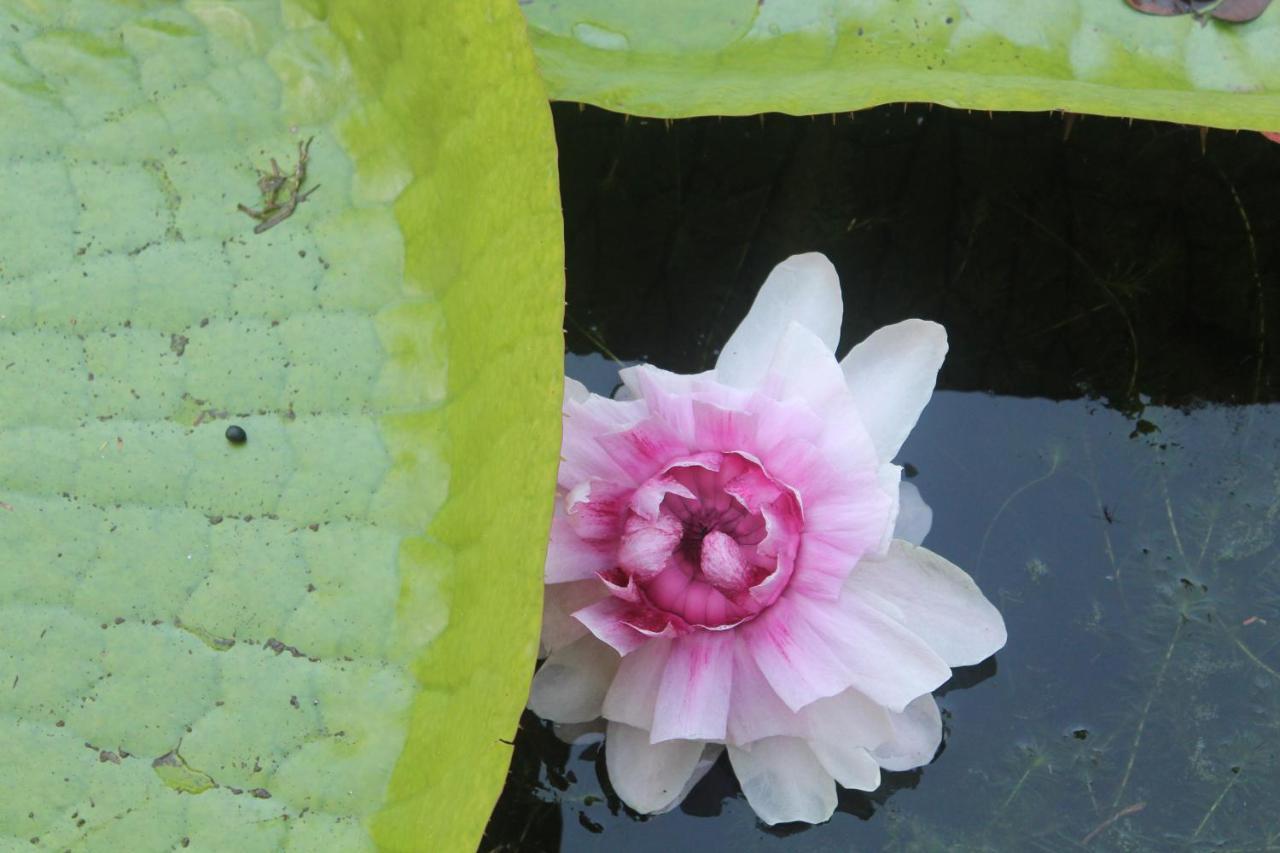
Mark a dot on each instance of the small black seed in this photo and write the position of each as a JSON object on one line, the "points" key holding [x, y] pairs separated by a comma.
{"points": [[237, 435]]}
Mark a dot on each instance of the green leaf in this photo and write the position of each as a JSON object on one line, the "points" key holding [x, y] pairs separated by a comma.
{"points": [[674, 58], [316, 640]]}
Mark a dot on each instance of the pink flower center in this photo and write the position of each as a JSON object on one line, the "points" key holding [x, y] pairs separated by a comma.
{"points": [[709, 542]]}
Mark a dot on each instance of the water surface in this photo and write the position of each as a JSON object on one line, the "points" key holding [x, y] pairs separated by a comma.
{"points": [[1101, 455]]}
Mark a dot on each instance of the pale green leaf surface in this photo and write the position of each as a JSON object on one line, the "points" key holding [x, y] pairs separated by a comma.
{"points": [[674, 58], [316, 640]]}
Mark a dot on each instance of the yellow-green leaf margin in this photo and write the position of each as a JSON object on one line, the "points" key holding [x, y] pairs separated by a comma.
{"points": [[672, 58]]}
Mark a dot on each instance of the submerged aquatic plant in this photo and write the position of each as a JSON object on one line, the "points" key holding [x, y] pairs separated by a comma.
{"points": [[723, 570]]}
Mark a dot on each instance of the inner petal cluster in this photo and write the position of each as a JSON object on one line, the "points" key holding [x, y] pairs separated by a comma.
{"points": [[707, 543]]}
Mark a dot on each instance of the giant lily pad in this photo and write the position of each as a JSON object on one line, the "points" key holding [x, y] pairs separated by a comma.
{"points": [[729, 57], [319, 638]]}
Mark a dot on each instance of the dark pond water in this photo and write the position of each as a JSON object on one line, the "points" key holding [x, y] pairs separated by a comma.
{"points": [[1103, 455]]}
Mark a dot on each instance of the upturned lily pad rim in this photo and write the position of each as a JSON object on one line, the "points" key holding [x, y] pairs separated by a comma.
{"points": [[1095, 57], [628, 90]]}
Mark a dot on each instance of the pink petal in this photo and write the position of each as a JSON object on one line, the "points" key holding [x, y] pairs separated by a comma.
{"points": [[626, 625], [800, 465], [936, 600], [817, 473], [836, 536], [668, 396], [721, 428], [693, 699], [621, 585], [606, 619], [595, 509], [571, 558], [796, 660], [647, 545], [755, 710], [884, 660], [581, 457], [648, 497], [803, 368], [645, 380], [753, 489], [643, 450], [782, 422], [857, 514], [634, 691], [722, 562], [773, 585]]}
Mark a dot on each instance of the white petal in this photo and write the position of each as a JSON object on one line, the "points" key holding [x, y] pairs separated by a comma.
{"points": [[841, 731], [580, 734], [936, 601], [803, 289], [648, 776], [755, 709], [571, 684], [575, 390], [852, 766], [559, 601], [803, 368], [915, 517], [784, 781], [891, 376], [884, 659], [917, 732], [710, 755], [890, 478], [634, 692]]}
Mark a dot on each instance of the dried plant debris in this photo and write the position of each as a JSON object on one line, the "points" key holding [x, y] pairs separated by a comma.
{"points": [[1235, 11], [281, 192]]}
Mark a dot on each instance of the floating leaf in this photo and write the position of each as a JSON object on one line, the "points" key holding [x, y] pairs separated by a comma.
{"points": [[732, 57], [314, 635]]}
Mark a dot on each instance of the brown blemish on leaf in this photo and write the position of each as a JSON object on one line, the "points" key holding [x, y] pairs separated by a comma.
{"points": [[218, 644], [278, 647], [272, 184]]}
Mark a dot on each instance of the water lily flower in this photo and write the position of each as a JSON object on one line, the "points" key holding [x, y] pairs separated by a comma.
{"points": [[723, 571]]}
